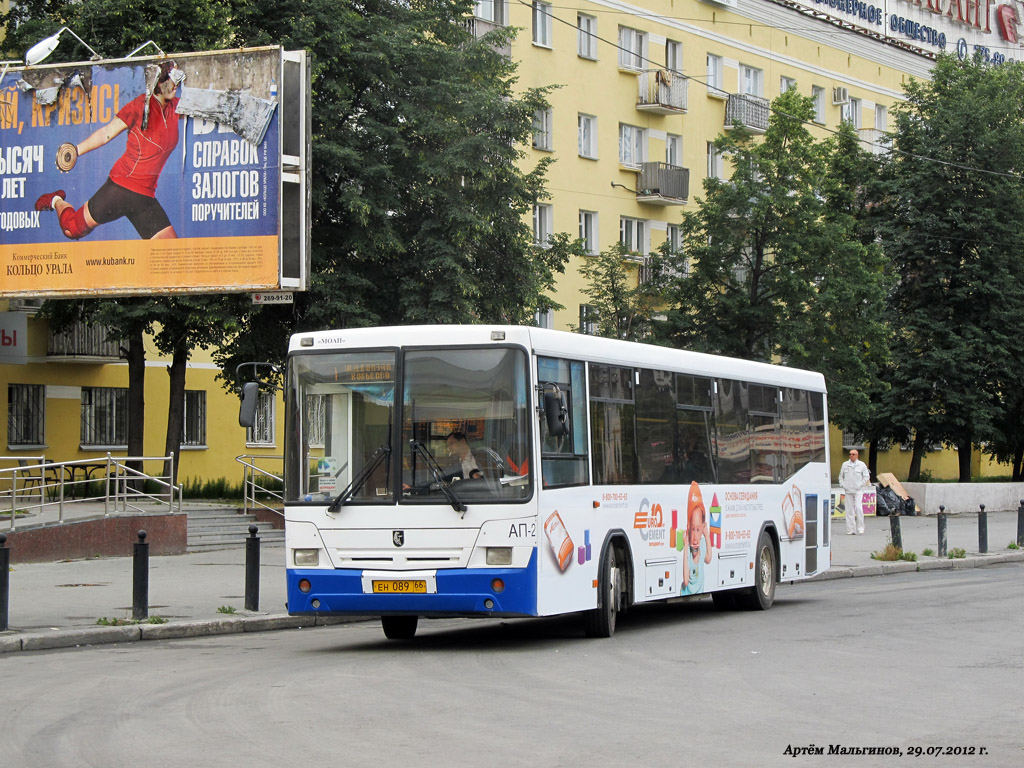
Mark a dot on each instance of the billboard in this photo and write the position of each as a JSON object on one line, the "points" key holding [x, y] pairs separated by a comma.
{"points": [[183, 173]]}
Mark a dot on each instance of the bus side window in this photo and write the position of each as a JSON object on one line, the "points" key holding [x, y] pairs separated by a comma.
{"points": [[695, 429], [564, 458], [612, 418]]}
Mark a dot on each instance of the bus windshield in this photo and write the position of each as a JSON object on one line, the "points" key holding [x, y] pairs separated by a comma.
{"points": [[464, 427], [342, 412]]}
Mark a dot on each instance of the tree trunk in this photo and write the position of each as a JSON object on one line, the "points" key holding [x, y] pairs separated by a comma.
{"points": [[872, 459], [914, 475], [136, 355], [964, 447], [175, 411], [1018, 459]]}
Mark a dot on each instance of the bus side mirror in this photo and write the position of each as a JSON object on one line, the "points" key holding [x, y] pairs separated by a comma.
{"points": [[555, 411], [247, 409]]}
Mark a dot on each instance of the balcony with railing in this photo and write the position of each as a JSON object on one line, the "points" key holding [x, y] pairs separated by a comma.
{"points": [[875, 141], [85, 342], [749, 111], [662, 92], [479, 27], [663, 184]]}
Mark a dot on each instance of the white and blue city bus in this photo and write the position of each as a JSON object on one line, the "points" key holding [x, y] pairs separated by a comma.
{"points": [[472, 471]]}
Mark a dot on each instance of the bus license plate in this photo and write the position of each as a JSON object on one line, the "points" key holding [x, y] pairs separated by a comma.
{"points": [[400, 587]]}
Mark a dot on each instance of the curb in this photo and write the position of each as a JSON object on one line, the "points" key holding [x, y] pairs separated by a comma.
{"points": [[11, 641], [931, 564]]}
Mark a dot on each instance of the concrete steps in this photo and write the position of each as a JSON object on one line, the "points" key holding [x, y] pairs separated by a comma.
{"points": [[224, 529]]}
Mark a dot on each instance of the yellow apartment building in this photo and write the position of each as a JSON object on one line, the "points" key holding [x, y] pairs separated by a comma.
{"points": [[643, 88]]}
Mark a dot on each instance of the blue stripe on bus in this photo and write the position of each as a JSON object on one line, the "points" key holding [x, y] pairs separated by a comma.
{"points": [[460, 591]]}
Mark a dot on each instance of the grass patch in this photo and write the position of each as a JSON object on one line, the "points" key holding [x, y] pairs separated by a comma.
{"points": [[892, 552], [928, 552], [1013, 545], [226, 609], [957, 553]]}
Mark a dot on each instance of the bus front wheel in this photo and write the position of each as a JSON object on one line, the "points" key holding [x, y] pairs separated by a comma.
{"points": [[600, 622], [399, 627], [762, 595]]}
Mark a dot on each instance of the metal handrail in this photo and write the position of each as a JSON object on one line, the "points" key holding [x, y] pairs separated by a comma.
{"points": [[252, 484], [53, 483]]}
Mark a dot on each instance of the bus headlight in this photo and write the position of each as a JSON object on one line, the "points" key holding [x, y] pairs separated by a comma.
{"points": [[307, 557], [499, 555]]}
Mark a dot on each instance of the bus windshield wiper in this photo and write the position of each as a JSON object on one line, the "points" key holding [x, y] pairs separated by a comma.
{"points": [[357, 482], [438, 475]]}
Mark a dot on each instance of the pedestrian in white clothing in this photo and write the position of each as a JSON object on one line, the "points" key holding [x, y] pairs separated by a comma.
{"points": [[854, 478]]}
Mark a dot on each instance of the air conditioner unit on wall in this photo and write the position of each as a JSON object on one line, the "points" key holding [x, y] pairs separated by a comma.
{"points": [[840, 95]]}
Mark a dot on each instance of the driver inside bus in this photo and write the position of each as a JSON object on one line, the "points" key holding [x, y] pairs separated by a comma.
{"points": [[458, 448]]}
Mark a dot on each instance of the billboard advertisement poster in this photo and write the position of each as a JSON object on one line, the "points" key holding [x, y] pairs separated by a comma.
{"points": [[140, 176]]}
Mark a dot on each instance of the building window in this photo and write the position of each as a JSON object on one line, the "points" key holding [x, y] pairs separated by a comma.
{"points": [[632, 145], [262, 431], [541, 23], [542, 224], [674, 150], [881, 117], [588, 320], [316, 420], [716, 78], [674, 243], [632, 47], [542, 129], [26, 406], [587, 139], [193, 430], [495, 11], [104, 416], [588, 231], [673, 55], [586, 36], [851, 113], [714, 162], [751, 81], [786, 84], [633, 235], [818, 97], [544, 318]]}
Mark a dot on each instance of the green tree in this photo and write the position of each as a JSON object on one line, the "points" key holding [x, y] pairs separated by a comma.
{"points": [[419, 200], [781, 266], [625, 290], [952, 227]]}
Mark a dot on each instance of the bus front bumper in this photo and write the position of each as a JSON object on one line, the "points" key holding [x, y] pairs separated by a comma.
{"points": [[456, 592]]}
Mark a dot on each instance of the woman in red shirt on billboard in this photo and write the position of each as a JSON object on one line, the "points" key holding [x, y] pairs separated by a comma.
{"points": [[130, 190]]}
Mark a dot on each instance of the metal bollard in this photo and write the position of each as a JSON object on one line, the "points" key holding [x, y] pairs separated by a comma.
{"points": [[140, 579], [252, 570], [982, 531], [5, 581], [895, 532], [943, 549], [1020, 524]]}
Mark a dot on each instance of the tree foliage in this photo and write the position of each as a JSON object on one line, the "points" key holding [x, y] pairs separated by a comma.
{"points": [[419, 201], [953, 207], [625, 291], [777, 263]]}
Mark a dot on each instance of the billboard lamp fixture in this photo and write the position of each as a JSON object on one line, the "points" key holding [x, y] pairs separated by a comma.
{"points": [[148, 42], [38, 52]]}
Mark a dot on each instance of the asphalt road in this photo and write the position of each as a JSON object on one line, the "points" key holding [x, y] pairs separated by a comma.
{"points": [[921, 660]]}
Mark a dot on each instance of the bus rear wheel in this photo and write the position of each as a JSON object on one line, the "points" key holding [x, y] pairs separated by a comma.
{"points": [[762, 594], [600, 622], [399, 627]]}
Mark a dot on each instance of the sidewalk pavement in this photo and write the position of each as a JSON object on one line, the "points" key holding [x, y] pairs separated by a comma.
{"points": [[58, 605]]}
